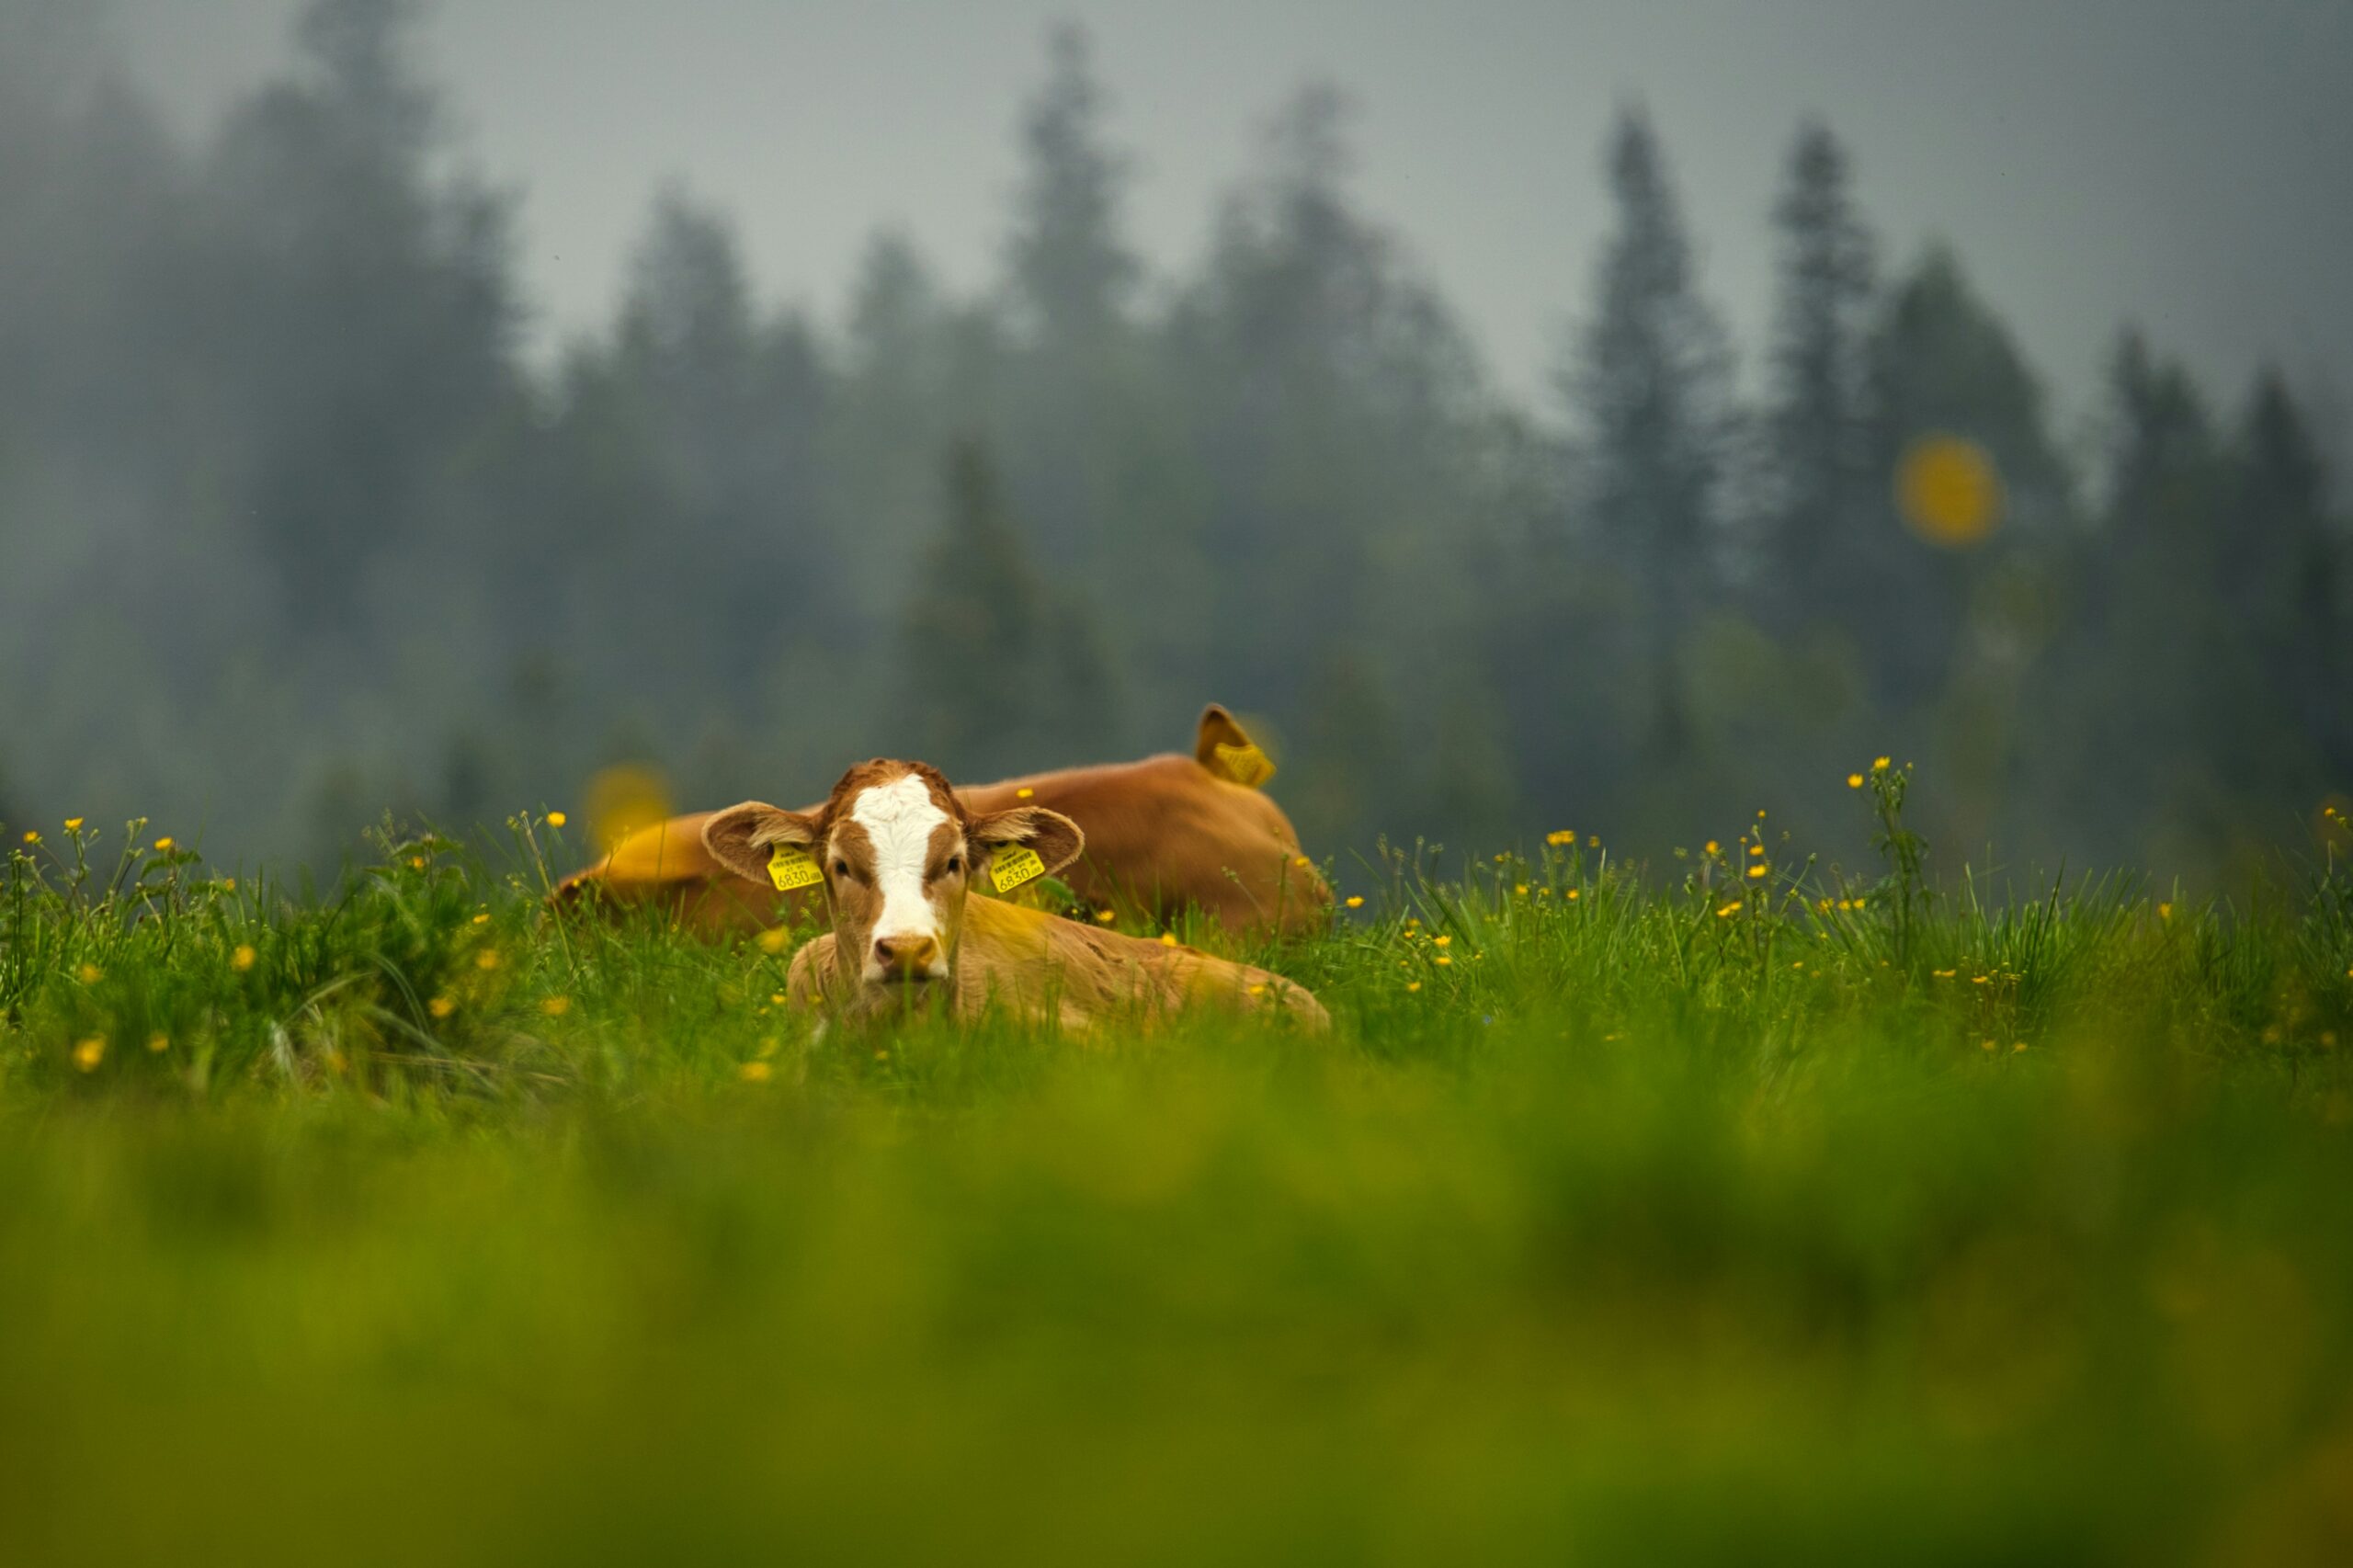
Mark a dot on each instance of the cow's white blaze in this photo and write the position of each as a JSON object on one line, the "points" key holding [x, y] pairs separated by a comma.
{"points": [[899, 818]]}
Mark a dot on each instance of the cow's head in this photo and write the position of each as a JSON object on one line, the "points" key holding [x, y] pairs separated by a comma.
{"points": [[898, 852]]}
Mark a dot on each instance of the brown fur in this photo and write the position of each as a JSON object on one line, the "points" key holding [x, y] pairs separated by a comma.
{"points": [[995, 953], [1162, 834]]}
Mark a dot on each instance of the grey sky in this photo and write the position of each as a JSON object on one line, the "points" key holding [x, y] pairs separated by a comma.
{"points": [[2181, 161]]}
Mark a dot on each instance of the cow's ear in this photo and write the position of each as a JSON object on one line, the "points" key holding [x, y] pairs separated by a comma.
{"points": [[1225, 748], [742, 837], [1054, 837]]}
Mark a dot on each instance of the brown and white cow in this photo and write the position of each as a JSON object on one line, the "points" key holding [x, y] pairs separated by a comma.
{"points": [[1162, 834], [900, 852]]}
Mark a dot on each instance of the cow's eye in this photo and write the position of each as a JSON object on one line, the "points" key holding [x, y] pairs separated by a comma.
{"points": [[841, 868], [955, 865]]}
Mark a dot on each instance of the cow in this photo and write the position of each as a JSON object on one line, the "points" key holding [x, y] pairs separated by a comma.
{"points": [[897, 853], [1160, 833]]}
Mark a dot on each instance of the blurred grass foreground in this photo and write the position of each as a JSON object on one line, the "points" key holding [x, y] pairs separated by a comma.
{"points": [[1743, 1211]]}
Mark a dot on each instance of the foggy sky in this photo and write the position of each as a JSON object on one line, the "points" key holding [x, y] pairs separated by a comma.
{"points": [[2180, 162]]}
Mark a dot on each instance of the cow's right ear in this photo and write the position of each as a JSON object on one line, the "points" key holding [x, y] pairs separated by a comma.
{"points": [[1225, 748], [742, 837]]}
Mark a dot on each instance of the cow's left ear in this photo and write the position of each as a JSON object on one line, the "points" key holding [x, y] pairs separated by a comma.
{"points": [[1054, 837], [743, 838]]}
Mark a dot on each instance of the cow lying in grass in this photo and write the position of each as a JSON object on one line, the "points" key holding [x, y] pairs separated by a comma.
{"points": [[1162, 834], [897, 852]]}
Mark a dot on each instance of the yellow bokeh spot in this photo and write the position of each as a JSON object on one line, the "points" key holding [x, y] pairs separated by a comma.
{"points": [[621, 800], [1948, 492]]}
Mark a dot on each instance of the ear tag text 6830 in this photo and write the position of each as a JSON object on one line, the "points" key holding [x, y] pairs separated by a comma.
{"points": [[789, 866], [1008, 869]]}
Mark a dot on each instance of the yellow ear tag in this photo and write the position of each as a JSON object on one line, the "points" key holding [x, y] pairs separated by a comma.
{"points": [[1008, 869], [1245, 765], [790, 868]]}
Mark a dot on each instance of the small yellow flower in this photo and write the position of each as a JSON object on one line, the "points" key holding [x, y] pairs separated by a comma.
{"points": [[2165, 911], [89, 974], [1989, 1045], [1303, 862], [416, 862], [166, 844], [556, 1006], [2017, 1045], [1521, 888], [773, 941], [1025, 792], [1168, 938], [483, 918], [1441, 942], [1257, 990], [557, 819], [159, 1043], [1571, 894], [1729, 910], [440, 1006], [73, 824], [31, 837], [1854, 781], [776, 998], [1355, 900], [88, 1053], [1758, 871], [1945, 973], [1879, 765], [242, 959], [1105, 917], [1412, 986], [487, 958], [1978, 980], [1593, 841], [1712, 846], [760, 1071]]}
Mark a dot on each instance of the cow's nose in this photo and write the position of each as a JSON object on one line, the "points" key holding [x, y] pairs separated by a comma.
{"points": [[907, 955]]}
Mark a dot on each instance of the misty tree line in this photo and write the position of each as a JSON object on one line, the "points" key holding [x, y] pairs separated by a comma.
{"points": [[290, 531]]}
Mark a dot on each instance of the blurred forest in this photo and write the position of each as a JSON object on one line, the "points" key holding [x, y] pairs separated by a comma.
{"points": [[291, 530]]}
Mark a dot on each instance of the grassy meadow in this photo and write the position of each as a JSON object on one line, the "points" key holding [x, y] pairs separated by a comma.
{"points": [[1732, 1208]]}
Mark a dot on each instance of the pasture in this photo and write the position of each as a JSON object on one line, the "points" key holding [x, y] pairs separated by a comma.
{"points": [[1734, 1207]]}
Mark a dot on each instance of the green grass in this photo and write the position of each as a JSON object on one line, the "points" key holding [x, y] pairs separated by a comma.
{"points": [[1860, 1223]]}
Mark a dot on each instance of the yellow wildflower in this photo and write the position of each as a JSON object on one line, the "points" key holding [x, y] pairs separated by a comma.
{"points": [[1854, 781], [1989, 1045], [1257, 990], [773, 941], [440, 1006], [1303, 862], [557, 819], [1441, 942], [89, 1052], [165, 845], [1105, 917], [2165, 911], [73, 824], [242, 959], [416, 862], [1024, 793], [1168, 938], [1444, 960], [1355, 900], [1712, 846], [1728, 910], [1412, 986], [1879, 765], [89, 974], [556, 1006], [483, 918], [760, 1071], [1758, 871], [31, 837], [159, 1043], [1571, 894], [1757, 849], [487, 958], [1521, 888]]}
